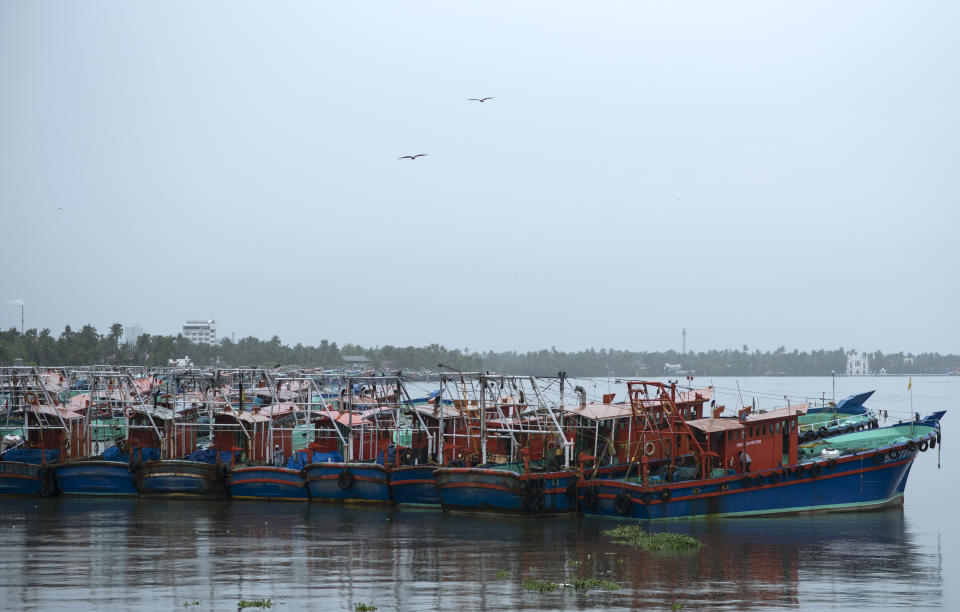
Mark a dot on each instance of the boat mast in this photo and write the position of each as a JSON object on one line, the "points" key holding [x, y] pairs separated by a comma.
{"points": [[483, 419]]}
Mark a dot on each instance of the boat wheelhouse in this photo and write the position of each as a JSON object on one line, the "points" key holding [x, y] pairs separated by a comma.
{"points": [[753, 464]]}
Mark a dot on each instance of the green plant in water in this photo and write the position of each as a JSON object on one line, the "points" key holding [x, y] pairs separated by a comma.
{"points": [[542, 586], [255, 603], [676, 606], [187, 604], [364, 607], [502, 574], [573, 562], [633, 535], [625, 534], [583, 583], [660, 542]]}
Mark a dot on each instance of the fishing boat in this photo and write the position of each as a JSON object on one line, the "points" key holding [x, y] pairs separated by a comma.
{"points": [[754, 464], [520, 444], [115, 420], [201, 437], [51, 433], [371, 409], [422, 449], [300, 426], [538, 475]]}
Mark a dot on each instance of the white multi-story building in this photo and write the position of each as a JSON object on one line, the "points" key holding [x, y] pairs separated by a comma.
{"points": [[131, 333], [858, 365], [201, 332]]}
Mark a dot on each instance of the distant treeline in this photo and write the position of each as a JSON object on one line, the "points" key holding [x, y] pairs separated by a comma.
{"points": [[87, 346]]}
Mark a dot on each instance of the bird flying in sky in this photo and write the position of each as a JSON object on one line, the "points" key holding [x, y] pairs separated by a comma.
{"points": [[412, 156], [480, 99]]}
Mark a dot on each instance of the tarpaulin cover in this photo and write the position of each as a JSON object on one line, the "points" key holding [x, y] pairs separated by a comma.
{"points": [[149, 454], [390, 455], [113, 454], [301, 458], [143, 454], [209, 455], [31, 455]]}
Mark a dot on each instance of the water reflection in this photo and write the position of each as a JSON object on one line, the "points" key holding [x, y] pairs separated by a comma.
{"points": [[144, 554]]}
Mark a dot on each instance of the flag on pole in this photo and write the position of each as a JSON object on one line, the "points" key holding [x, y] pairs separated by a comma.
{"points": [[909, 383]]}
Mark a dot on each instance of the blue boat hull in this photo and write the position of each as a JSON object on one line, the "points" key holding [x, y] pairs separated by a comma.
{"points": [[348, 481], [268, 483], [179, 479], [414, 485], [24, 479], [486, 490], [109, 478], [856, 482]]}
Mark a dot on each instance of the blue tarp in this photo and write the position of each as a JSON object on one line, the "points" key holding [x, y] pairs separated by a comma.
{"points": [[149, 454], [113, 454], [31, 455], [143, 454], [209, 455], [301, 458], [391, 455]]}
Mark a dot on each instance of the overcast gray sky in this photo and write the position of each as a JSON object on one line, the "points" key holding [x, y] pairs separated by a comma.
{"points": [[761, 173]]}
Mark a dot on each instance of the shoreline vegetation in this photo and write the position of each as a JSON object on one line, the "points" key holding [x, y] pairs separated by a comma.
{"points": [[88, 346]]}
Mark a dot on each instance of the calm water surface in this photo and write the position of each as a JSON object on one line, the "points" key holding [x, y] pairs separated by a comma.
{"points": [[148, 554]]}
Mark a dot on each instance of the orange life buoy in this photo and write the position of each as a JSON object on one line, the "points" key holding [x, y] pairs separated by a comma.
{"points": [[105, 410], [129, 412], [648, 448], [30, 397]]}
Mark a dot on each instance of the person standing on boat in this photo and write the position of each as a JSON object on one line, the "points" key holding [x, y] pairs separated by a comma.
{"points": [[745, 461], [278, 460]]}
